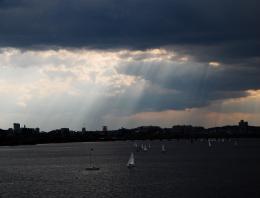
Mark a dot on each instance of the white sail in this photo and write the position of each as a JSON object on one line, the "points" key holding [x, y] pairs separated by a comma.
{"points": [[145, 148], [209, 143], [131, 161]]}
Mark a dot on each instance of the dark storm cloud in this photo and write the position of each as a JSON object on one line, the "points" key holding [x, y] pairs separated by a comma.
{"points": [[222, 30], [130, 23], [5, 4]]}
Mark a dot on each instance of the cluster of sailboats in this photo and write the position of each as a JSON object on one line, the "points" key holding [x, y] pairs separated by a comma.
{"points": [[210, 141], [144, 148], [131, 161]]}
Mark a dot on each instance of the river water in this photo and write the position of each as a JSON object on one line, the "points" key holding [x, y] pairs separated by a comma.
{"points": [[186, 170]]}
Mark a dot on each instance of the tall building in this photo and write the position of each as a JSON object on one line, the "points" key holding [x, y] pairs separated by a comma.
{"points": [[104, 128], [17, 127], [243, 126], [84, 130], [242, 123]]}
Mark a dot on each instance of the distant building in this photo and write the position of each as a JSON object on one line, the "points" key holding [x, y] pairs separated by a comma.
{"points": [[17, 127], [243, 126], [104, 128], [24, 130], [84, 130], [242, 123]]}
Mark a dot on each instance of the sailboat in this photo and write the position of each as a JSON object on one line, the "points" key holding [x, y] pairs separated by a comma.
{"points": [[145, 148], [91, 165], [163, 148], [131, 161], [209, 143]]}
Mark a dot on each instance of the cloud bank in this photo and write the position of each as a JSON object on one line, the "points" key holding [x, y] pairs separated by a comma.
{"points": [[227, 28]]}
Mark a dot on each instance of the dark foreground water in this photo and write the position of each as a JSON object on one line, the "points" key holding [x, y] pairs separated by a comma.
{"points": [[186, 170]]}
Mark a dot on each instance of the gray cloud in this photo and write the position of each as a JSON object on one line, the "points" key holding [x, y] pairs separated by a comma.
{"points": [[221, 31], [130, 23]]}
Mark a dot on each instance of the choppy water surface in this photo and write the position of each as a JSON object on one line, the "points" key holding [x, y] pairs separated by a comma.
{"points": [[186, 170]]}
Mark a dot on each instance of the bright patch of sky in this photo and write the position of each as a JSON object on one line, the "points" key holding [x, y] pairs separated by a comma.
{"points": [[75, 88]]}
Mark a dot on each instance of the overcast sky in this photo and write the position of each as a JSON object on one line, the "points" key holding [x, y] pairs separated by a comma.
{"points": [[126, 63]]}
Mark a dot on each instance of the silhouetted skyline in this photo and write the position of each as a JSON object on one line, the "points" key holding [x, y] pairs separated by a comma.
{"points": [[19, 135]]}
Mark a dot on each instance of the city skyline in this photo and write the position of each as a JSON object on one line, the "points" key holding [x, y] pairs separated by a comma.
{"points": [[19, 135], [19, 126]]}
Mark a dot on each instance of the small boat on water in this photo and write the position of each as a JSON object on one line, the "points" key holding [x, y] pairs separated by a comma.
{"points": [[131, 161], [91, 164], [145, 148], [209, 143], [163, 149]]}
